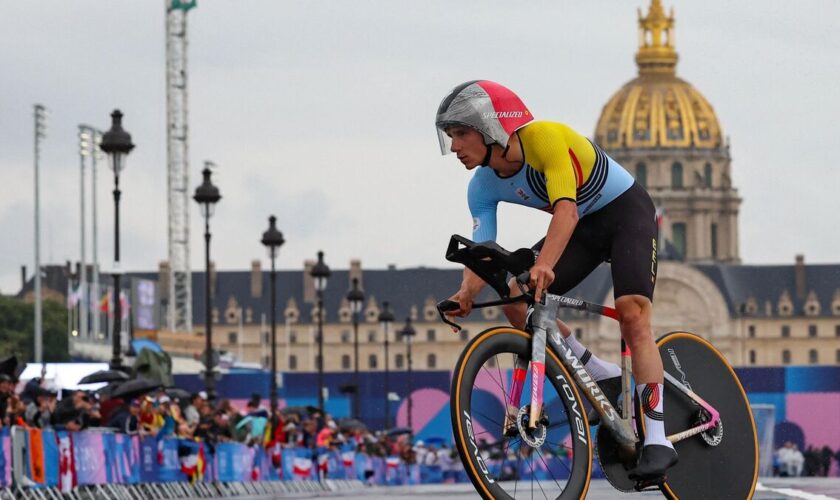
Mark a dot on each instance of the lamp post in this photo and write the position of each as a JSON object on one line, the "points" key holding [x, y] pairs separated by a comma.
{"points": [[207, 195], [408, 332], [40, 133], [356, 298], [273, 240], [116, 143], [320, 272], [386, 317]]}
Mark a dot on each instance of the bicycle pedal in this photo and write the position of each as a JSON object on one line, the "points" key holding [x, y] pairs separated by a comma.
{"points": [[654, 484]]}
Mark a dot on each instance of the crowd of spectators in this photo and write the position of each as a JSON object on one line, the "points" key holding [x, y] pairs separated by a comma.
{"points": [[163, 414], [790, 461]]}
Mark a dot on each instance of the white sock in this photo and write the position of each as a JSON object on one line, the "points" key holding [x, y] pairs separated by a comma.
{"points": [[597, 367], [652, 400]]}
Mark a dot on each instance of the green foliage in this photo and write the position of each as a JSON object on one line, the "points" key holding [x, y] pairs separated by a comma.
{"points": [[17, 330]]}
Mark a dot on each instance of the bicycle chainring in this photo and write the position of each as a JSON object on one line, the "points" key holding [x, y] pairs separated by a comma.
{"points": [[532, 437], [713, 436]]}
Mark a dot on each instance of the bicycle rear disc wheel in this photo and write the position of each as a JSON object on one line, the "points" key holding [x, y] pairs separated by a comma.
{"points": [[556, 465], [721, 464]]}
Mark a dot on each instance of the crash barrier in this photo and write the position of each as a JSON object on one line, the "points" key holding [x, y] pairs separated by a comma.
{"points": [[98, 459]]}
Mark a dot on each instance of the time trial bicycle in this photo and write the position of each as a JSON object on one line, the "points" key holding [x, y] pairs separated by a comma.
{"points": [[519, 443]]}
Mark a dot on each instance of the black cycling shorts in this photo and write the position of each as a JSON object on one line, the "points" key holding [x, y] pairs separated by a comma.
{"points": [[623, 233]]}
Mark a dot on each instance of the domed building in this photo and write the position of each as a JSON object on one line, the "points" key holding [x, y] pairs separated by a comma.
{"points": [[666, 133]]}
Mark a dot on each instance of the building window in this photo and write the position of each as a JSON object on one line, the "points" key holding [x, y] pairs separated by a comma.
{"points": [[676, 175], [751, 331], [399, 360], [579, 333], [812, 330], [431, 361], [752, 357], [232, 337], [813, 356], [345, 361], [431, 335], [785, 331], [265, 338], [714, 236], [372, 361], [837, 330], [678, 234], [785, 357], [641, 174], [707, 175], [465, 334], [293, 337], [292, 362], [837, 356], [372, 336], [345, 336]]}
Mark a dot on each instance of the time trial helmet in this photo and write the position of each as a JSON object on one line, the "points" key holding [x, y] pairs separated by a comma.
{"points": [[491, 108]]}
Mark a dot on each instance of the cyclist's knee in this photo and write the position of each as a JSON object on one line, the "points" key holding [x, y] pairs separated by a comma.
{"points": [[634, 313], [515, 313]]}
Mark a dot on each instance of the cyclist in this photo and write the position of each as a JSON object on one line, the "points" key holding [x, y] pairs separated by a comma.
{"points": [[599, 213]]}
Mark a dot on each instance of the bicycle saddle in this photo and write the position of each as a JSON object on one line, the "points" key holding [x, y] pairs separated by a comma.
{"points": [[489, 261]]}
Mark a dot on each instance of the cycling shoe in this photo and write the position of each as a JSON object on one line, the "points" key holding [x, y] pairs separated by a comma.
{"points": [[654, 460], [611, 387]]}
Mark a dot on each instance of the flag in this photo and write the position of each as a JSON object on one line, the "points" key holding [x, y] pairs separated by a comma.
{"points": [[392, 462], [348, 458], [36, 456], [323, 463], [73, 296], [67, 479], [188, 455], [125, 305], [105, 303], [302, 467]]}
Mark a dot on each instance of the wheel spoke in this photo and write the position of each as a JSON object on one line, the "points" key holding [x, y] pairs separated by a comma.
{"points": [[547, 468]]}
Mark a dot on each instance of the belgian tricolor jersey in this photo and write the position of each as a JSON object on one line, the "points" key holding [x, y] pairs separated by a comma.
{"points": [[560, 164]]}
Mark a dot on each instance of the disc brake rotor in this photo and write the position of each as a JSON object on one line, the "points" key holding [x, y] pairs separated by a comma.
{"points": [[532, 437]]}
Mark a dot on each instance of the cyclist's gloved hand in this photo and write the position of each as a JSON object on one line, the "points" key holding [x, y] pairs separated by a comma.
{"points": [[542, 275]]}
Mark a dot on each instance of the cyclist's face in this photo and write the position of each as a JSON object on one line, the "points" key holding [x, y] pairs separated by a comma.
{"points": [[468, 144]]}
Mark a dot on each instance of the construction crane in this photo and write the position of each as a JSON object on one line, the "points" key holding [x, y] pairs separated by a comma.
{"points": [[177, 147]]}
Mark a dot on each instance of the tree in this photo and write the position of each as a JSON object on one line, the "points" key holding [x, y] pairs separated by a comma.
{"points": [[17, 330]]}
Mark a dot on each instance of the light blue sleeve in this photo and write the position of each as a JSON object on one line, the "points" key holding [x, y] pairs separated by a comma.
{"points": [[483, 200]]}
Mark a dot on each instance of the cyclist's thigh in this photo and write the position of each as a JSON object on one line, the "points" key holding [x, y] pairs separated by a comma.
{"points": [[633, 248], [579, 258]]}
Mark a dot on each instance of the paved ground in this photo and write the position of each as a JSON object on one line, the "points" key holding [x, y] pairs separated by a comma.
{"points": [[769, 489]]}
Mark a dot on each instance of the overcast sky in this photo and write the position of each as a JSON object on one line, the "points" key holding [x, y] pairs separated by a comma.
{"points": [[322, 114]]}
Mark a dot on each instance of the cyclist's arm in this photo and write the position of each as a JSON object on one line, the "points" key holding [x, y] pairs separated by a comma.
{"points": [[483, 207], [560, 230]]}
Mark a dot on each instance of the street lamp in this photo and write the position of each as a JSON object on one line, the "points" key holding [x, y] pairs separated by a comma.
{"points": [[273, 240], [356, 298], [320, 272], [207, 195], [407, 333], [386, 317], [116, 143]]}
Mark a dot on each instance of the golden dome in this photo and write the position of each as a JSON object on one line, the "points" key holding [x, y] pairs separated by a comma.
{"points": [[657, 109]]}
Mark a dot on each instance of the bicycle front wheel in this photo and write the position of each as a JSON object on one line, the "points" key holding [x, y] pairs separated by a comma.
{"points": [[553, 461], [721, 462]]}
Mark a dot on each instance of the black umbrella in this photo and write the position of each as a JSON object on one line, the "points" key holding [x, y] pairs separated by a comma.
{"points": [[177, 393], [109, 389], [135, 388], [300, 411], [399, 431], [104, 376], [351, 424]]}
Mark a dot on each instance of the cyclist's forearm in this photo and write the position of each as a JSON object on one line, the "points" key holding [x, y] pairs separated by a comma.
{"points": [[471, 282], [560, 230]]}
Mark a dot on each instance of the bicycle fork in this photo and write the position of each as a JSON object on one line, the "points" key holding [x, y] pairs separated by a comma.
{"points": [[520, 373]]}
